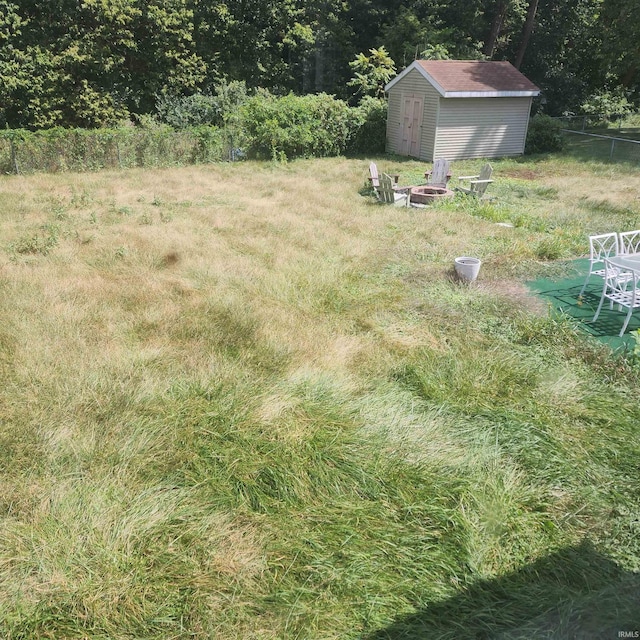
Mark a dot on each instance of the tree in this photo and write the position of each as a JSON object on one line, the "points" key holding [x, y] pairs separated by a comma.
{"points": [[372, 72], [562, 55], [526, 32], [619, 25], [90, 63]]}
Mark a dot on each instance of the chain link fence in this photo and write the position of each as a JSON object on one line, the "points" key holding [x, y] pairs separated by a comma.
{"points": [[606, 139]]}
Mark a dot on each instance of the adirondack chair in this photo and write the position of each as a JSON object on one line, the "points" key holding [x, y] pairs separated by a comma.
{"points": [[374, 178], [477, 184], [440, 174], [390, 193]]}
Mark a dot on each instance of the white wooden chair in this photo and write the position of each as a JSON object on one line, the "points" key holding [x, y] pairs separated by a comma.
{"points": [[629, 242], [374, 178], [477, 184], [440, 174], [620, 287], [390, 193], [604, 245]]}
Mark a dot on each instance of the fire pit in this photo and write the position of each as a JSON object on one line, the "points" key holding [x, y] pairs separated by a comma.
{"points": [[428, 194]]}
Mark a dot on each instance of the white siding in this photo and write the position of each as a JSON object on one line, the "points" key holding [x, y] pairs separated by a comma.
{"points": [[481, 127], [413, 84]]}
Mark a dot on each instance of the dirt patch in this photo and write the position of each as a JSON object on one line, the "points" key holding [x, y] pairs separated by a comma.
{"points": [[522, 174], [517, 292]]}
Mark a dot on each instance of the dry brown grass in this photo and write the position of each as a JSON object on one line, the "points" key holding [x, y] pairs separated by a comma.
{"points": [[170, 337]]}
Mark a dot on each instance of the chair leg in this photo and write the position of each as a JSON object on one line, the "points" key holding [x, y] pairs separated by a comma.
{"points": [[584, 286], [626, 322], [599, 307]]}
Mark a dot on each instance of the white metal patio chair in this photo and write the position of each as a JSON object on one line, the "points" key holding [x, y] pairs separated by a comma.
{"points": [[604, 245], [629, 242], [621, 288]]}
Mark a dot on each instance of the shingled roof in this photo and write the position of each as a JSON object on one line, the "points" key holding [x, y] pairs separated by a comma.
{"points": [[472, 78]]}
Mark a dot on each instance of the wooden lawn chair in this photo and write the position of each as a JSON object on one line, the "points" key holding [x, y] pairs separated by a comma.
{"points": [[389, 193], [374, 178], [477, 184], [440, 174]]}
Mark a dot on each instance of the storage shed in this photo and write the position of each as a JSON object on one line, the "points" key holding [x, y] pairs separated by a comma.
{"points": [[458, 109]]}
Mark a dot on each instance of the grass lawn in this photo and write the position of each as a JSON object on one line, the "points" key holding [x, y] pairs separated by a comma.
{"points": [[246, 401]]}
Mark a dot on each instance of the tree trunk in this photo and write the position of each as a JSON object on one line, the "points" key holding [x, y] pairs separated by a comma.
{"points": [[496, 26], [526, 32]]}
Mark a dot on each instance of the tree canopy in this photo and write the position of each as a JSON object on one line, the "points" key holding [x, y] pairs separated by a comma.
{"points": [[95, 62]]}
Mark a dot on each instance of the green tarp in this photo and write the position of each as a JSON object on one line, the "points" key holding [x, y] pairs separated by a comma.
{"points": [[562, 291]]}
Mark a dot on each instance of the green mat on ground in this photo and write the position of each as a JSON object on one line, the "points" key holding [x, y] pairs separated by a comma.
{"points": [[562, 293]]}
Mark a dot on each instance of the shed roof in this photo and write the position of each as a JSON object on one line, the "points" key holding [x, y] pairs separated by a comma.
{"points": [[472, 78]]}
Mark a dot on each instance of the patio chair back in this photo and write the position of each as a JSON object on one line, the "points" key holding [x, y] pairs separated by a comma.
{"points": [[629, 242], [439, 175], [604, 245]]}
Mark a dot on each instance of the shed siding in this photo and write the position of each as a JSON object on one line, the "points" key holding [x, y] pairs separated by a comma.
{"points": [[412, 84], [482, 127]]}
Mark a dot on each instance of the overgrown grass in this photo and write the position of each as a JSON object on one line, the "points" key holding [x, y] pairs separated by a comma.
{"points": [[244, 401]]}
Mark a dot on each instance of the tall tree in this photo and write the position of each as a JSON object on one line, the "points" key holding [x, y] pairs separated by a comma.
{"points": [[562, 56], [91, 62], [526, 32], [619, 24]]}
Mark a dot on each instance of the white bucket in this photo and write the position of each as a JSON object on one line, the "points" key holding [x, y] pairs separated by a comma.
{"points": [[467, 268]]}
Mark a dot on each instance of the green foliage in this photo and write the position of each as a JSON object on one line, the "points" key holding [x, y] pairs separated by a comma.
{"points": [[369, 126], [181, 112], [295, 126], [93, 63], [264, 126], [544, 135], [372, 72], [435, 52], [59, 149], [221, 107], [90, 64], [607, 104], [41, 242]]}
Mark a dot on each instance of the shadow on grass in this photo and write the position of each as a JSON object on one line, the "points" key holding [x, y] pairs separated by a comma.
{"points": [[574, 593]]}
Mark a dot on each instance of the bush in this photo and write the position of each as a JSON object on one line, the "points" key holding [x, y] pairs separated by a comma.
{"points": [[368, 126], [295, 126], [607, 105], [265, 127], [181, 112], [544, 135], [59, 149], [218, 109]]}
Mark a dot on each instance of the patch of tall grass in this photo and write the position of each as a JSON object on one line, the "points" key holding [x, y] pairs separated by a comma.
{"points": [[247, 402]]}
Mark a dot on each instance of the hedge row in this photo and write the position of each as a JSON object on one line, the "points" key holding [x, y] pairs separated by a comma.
{"points": [[265, 127], [56, 150]]}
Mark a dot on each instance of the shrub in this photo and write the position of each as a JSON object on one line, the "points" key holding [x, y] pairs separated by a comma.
{"points": [[181, 112], [607, 105], [295, 126], [368, 126], [544, 135], [217, 109], [58, 149]]}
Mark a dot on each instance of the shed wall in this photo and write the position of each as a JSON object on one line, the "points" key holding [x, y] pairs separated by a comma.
{"points": [[481, 127], [413, 84]]}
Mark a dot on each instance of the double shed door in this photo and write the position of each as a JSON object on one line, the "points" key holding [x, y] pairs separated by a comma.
{"points": [[411, 125]]}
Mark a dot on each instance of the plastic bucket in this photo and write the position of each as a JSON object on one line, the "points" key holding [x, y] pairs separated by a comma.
{"points": [[467, 268]]}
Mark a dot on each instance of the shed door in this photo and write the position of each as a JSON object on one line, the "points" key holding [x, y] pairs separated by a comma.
{"points": [[411, 126]]}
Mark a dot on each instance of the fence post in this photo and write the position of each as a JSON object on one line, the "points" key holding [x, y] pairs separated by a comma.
{"points": [[14, 157], [613, 144]]}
